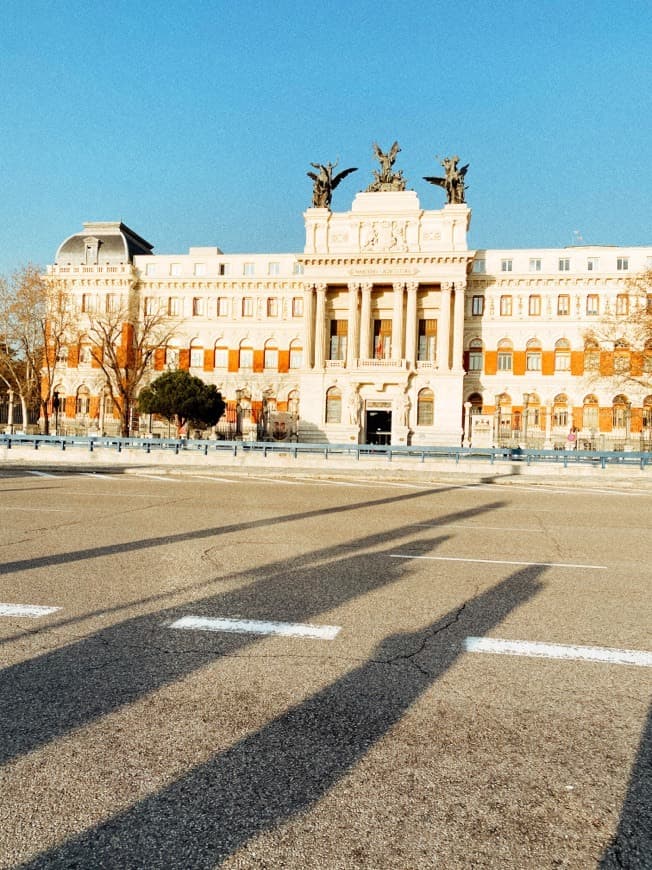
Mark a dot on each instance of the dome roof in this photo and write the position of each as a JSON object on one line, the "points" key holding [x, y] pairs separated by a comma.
{"points": [[102, 242]]}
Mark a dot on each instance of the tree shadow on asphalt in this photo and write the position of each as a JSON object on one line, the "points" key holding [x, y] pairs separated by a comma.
{"points": [[631, 846], [47, 696], [268, 777]]}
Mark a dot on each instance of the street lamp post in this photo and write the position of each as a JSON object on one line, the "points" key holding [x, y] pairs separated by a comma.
{"points": [[497, 414], [55, 405], [526, 411]]}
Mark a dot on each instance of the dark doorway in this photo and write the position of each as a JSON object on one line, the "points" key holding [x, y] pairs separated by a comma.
{"points": [[379, 427]]}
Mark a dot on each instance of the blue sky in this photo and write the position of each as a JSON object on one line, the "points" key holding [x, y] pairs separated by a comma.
{"points": [[195, 123]]}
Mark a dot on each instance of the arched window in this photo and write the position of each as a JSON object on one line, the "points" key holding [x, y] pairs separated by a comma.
{"points": [[504, 411], [196, 355], [560, 411], [62, 354], [591, 356], [271, 356], [246, 357], [107, 403], [562, 355], [221, 355], [296, 355], [505, 355], [293, 403], [533, 407], [621, 357], [475, 355], [533, 355], [172, 358], [590, 413], [476, 403], [619, 411], [647, 413], [425, 407], [82, 402], [333, 405]]}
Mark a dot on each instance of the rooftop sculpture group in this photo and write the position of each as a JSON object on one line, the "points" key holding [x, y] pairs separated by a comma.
{"points": [[324, 182]]}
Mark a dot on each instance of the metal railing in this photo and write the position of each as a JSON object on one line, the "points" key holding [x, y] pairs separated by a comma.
{"points": [[358, 452]]}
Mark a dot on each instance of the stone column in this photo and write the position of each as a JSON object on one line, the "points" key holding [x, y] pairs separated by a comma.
{"points": [[353, 341], [458, 326], [397, 321], [365, 321], [320, 326], [444, 328], [308, 327], [411, 324], [467, 425], [548, 442]]}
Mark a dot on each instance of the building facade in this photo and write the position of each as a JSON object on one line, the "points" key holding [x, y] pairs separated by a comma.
{"points": [[386, 328]]}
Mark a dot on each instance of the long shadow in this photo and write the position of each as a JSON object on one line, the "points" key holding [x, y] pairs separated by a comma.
{"points": [[269, 777], [200, 534], [47, 696], [631, 846]]}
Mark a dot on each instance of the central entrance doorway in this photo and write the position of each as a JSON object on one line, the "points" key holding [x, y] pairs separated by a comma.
{"points": [[378, 427]]}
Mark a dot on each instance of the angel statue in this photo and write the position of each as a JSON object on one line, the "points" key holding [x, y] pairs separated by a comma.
{"points": [[324, 184], [387, 179], [453, 182]]}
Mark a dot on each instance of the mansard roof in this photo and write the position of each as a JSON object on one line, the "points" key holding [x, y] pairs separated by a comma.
{"points": [[102, 242]]}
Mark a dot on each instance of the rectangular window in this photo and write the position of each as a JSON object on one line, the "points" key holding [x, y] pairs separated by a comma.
{"points": [[150, 270], [198, 306], [273, 268], [506, 306], [221, 357], [592, 264], [562, 361], [475, 360], [534, 306], [271, 358], [247, 306], [427, 349], [504, 360], [224, 269], [563, 305], [174, 306], [338, 339], [272, 307], [175, 270], [112, 303], [592, 304], [196, 357], [591, 359], [480, 266], [297, 306], [150, 305], [246, 358], [505, 265], [248, 269], [622, 304], [88, 304], [382, 339], [172, 357], [477, 305], [222, 306], [297, 269], [296, 357], [622, 264], [200, 269], [535, 265], [564, 264], [533, 361]]}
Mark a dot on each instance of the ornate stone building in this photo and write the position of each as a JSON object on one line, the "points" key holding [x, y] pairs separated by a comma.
{"points": [[385, 329]]}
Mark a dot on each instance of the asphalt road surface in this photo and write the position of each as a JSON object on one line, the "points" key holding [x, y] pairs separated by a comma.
{"points": [[305, 672]]}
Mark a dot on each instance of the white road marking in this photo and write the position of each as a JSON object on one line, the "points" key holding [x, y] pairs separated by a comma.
{"points": [[253, 626], [97, 475], [153, 477], [41, 474], [216, 479], [31, 611], [559, 651], [273, 480], [499, 561]]}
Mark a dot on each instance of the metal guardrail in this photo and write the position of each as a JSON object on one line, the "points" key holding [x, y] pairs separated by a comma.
{"points": [[356, 451]]}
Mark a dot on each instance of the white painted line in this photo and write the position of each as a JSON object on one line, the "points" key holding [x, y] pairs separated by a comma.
{"points": [[41, 474], [275, 480], [559, 651], [97, 475], [153, 477], [499, 562], [216, 479], [253, 626], [27, 610]]}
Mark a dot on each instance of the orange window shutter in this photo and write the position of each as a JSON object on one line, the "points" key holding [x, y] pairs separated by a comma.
{"points": [[234, 360], [548, 362], [577, 362], [209, 359], [184, 359], [491, 362], [519, 362]]}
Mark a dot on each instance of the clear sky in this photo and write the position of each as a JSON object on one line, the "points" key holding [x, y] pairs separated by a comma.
{"points": [[195, 122]]}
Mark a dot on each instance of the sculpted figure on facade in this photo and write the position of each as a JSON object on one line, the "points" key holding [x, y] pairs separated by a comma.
{"points": [[453, 182], [324, 183], [387, 179], [402, 409], [355, 406]]}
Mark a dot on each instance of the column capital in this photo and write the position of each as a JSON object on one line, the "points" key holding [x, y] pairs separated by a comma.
{"points": [[412, 286], [366, 286], [321, 288], [447, 286], [399, 285], [353, 286]]}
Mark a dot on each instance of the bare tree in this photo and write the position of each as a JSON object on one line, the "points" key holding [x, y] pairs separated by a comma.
{"points": [[37, 322], [625, 330], [124, 342]]}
